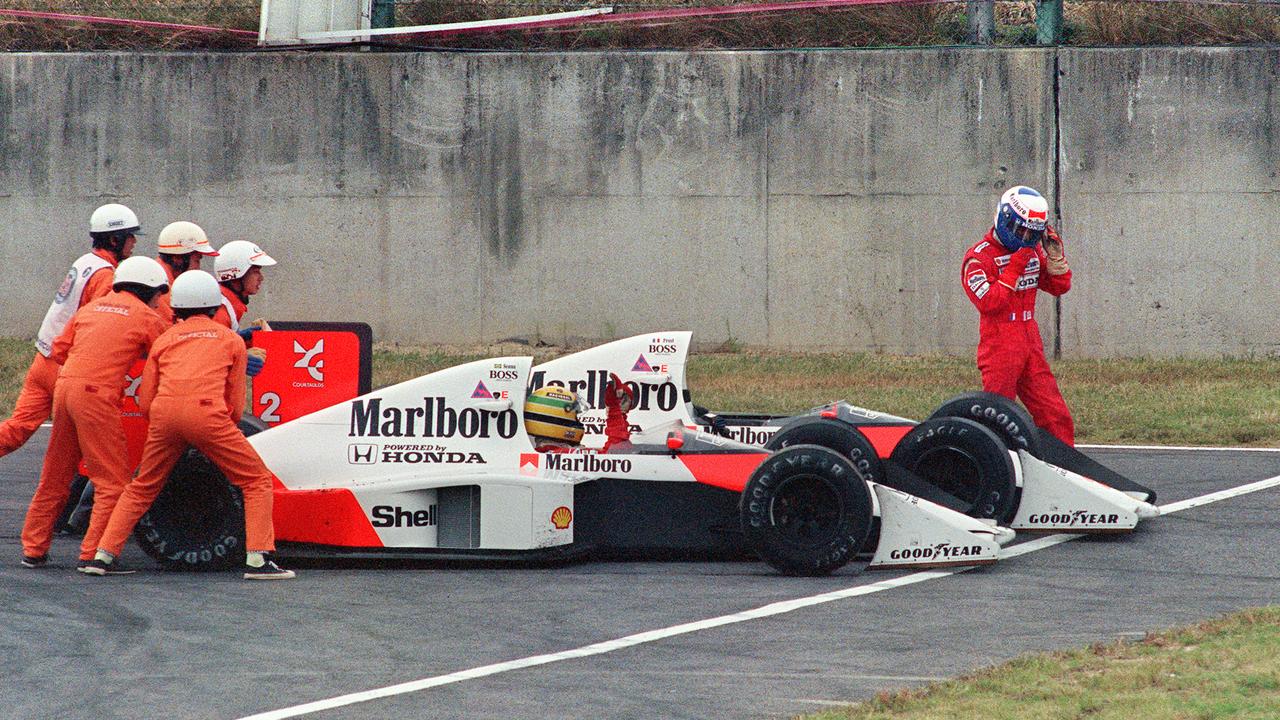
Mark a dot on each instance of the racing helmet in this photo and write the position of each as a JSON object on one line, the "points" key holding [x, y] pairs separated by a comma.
{"points": [[1020, 218], [182, 237], [551, 412], [139, 270], [114, 218], [236, 257], [195, 290]]}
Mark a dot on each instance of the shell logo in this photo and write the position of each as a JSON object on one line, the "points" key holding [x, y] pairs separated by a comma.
{"points": [[562, 517]]}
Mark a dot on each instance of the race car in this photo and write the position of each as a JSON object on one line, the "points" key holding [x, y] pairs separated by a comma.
{"points": [[978, 453], [442, 467]]}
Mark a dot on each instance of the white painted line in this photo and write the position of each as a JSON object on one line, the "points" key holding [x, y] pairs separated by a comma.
{"points": [[1220, 495], [778, 608], [1200, 448]]}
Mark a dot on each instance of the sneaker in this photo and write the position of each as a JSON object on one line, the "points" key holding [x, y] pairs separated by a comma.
{"points": [[102, 567], [35, 562], [267, 571]]}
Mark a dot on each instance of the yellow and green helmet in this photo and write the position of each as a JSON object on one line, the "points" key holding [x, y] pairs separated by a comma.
{"points": [[551, 412]]}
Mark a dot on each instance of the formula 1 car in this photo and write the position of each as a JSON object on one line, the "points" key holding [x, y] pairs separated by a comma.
{"points": [[441, 467], [979, 453]]}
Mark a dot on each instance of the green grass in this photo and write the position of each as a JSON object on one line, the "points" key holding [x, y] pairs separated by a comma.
{"points": [[1223, 668], [1167, 402]]}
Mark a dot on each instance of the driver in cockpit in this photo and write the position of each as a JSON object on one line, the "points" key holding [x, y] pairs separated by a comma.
{"points": [[551, 417]]}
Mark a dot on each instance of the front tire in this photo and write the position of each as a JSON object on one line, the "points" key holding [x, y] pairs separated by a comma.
{"points": [[197, 520], [966, 459], [806, 510]]}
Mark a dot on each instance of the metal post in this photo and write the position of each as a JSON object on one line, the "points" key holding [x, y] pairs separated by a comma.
{"points": [[1048, 22], [384, 14], [982, 21]]}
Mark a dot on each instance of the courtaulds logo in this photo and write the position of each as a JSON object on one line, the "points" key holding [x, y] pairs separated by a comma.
{"points": [[310, 360], [361, 454], [131, 385]]}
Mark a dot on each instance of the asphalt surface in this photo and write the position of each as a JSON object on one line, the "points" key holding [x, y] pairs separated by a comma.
{"points": [[173, 645]]}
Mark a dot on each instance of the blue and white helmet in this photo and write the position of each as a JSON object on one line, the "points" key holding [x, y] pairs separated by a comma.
{"points": [[1021, 218]]}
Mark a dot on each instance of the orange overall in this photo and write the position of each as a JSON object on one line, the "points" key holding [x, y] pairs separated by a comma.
{"points": [[163, 307], [193, 393], [102, 340], [35, 399], [225, 318]]}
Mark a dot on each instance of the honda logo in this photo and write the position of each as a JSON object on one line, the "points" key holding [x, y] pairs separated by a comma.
{"points": [[361, 454]]}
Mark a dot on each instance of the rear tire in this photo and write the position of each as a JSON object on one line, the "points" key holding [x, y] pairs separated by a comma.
{"points": [[806, 510], [1002, 415], [197, 521], [965, 459]]}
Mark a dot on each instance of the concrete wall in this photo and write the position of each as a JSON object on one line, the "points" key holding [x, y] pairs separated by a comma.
{"points": [[793, 199]]}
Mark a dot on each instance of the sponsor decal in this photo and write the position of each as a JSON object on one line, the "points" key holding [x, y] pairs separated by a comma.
{"points": [[529, 464], [310, 360], [649, 396], [641, 365], [396, 516], [561, 517], [361, 454], [941, 551], [482, 392], [981, 246], [663, 346], [1074, 518], [586, 463], [751, 435], [131, 385], [433, 418], [862, 412], [504, 371], [67, 286]]}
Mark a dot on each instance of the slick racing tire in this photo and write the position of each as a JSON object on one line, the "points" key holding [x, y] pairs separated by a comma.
{"points": [[1002, 415], [965, 459], [806, 510], [197, 521], [835, 435]]}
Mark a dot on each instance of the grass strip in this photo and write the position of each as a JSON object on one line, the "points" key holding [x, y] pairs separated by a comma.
{"points": [[1221, 668], [1126, 401]]}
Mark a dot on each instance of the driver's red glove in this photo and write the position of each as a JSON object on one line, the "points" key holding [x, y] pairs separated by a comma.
{"points": [[618, 399]]}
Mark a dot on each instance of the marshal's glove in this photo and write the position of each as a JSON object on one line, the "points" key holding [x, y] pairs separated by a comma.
{"points": [[1053, 250], [246, 331], [256, 360]]}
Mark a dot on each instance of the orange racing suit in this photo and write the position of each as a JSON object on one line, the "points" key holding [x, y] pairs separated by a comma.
{"points": [[192, 392], [102, 340], [35, 399]]}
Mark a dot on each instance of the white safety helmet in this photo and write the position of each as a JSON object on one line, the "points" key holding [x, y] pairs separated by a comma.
{"points": [[236, 257], [181, 238], [195, 290], [114, 217], [140, 270]]}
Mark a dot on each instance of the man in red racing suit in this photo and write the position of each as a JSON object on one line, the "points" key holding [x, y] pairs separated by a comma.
{"points": [[1001, 274]]}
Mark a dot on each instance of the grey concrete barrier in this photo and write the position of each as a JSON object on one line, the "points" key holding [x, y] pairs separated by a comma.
{"points": [[811, 200]]}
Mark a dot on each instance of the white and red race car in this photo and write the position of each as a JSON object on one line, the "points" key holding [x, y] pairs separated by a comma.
{"points": [[441, 467]]}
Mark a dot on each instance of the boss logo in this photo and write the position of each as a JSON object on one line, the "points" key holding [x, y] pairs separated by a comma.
{"points": [[504, 375]]}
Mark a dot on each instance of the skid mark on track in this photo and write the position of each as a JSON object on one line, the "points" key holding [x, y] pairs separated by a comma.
{"points": [[770, 610]]}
